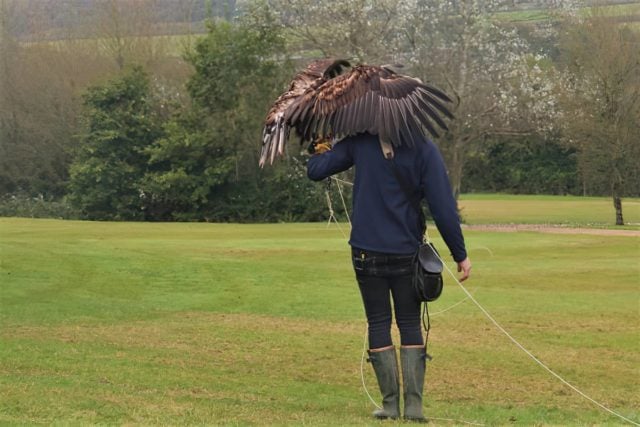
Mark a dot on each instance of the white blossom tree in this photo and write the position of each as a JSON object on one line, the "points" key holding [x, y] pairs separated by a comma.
{"points": [[498, 85]]}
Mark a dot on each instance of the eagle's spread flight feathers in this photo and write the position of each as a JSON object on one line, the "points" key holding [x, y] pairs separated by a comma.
{"points": [[324, 103]]}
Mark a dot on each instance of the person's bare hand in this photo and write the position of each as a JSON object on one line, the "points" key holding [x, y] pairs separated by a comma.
{"points": [[464, 266]]}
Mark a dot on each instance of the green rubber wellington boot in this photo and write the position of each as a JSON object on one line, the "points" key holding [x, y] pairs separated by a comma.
{"points": [[413, 366], [385, 365]]}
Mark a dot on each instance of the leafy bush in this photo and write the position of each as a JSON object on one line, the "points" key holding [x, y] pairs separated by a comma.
{"points": [[523, 166], [111, 162]]}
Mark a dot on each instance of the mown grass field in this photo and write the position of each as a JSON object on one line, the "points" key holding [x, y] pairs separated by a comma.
{"points": [[183, 324], [542, 209]]}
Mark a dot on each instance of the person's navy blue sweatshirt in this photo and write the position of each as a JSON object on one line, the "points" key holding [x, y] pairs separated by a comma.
{"points": [[383, 218]]}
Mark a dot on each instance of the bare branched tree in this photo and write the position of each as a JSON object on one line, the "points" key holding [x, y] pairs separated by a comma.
{"points": [[601, 104], [127, 31], [362, 30]]}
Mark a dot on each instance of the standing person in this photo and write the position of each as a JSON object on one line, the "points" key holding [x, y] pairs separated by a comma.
{"points": [[386, 233]]}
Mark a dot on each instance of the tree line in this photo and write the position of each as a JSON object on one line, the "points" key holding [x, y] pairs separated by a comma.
{"points": [[122, 128]]}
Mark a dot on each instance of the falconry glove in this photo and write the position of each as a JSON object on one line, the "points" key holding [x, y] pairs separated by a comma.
{"points": [[321, 147]]}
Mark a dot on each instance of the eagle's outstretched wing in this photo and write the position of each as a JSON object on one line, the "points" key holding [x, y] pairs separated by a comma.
{"points": [[276, 128], [366, 99], [369, 99]]}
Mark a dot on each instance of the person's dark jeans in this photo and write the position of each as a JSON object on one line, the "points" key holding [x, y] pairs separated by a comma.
{"points": [[381, 276]]}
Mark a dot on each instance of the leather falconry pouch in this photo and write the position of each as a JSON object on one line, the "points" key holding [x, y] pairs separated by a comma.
{"points": [[427, 277]]}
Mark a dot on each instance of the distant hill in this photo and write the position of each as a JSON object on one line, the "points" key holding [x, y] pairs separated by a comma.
{"points": [[54, 19], [58, 19]]}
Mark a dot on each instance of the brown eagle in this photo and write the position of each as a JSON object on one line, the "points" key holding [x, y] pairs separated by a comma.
{"points": [[326, 101]]}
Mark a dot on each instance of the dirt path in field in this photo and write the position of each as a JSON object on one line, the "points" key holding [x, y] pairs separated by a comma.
{"points": [[544, 228]]}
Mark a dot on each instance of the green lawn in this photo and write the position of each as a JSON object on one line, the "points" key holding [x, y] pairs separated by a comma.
{"points": [[122, 323], [561, 210]]}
